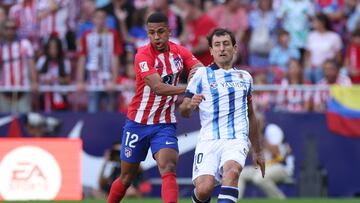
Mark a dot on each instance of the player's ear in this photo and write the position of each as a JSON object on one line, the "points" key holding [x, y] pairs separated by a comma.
{"points": [[211, 51]]}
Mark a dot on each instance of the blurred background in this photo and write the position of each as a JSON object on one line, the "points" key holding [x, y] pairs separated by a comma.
{"points": [[67, 77]]}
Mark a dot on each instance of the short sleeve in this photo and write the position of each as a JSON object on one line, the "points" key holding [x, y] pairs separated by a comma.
{"points": [[189, 59], [195, 84], [144, 65]]}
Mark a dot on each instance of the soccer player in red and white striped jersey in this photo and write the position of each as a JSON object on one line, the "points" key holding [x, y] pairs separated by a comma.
{"points": [[151, 120]]}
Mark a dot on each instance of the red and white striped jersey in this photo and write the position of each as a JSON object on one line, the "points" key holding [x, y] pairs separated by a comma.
{"points": [[25, 15], [99, 50], [14, 64], [147, 107], [53, 22], [289, 99]]}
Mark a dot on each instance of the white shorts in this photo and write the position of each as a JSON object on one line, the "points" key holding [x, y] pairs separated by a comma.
{"points": [[211, 155]]}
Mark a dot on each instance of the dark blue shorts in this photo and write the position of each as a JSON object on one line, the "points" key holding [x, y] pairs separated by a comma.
{"points": [[137, 138]]}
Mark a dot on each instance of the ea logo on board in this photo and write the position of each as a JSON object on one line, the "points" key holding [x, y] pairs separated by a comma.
{"points": [[29, 173]]}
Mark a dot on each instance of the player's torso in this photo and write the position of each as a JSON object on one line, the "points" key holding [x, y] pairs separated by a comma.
{"points": [[224, 111], [151, 108]]}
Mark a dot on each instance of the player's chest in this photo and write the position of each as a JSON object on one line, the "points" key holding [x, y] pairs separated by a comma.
{"points": [[168, 64], [224, 86]]}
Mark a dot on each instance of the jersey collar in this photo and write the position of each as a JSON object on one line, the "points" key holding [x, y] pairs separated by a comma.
{"points": [[213, 66]]}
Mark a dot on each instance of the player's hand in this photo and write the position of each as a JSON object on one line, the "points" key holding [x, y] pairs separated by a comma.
{"points": [[196, 100], [258, 160]]}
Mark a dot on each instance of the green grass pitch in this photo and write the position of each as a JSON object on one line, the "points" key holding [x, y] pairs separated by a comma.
{"points": [[158, 200]]}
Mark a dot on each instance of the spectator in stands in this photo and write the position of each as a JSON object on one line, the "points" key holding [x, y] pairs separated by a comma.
{"points": [[86, 23], [175, 21], [331, 77], [119, 9], [352, 13], [293, 99], [52, 16], [24, 13], [352, 58], [279, 164], [127, 80], [334, 10], [321, 44], [54, 70], [193, 37], [262, 23], [295, 18], [3, 16], [17, 70], [280, 56], [263, 100], [137, 33], [224, 14], [99, 58]]}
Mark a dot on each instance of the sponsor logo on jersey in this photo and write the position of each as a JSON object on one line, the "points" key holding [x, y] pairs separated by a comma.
{"points": [[232, 84], [144, 66], [213, 85]]}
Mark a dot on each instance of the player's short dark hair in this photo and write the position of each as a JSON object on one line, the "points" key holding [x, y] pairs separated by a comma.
{"points": [[157, 17], [221, 32]]}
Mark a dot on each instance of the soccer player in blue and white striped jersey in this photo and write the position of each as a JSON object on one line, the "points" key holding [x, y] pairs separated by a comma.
{"points": [[223, 95]]}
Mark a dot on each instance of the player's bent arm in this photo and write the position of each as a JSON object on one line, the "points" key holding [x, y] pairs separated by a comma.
{"points": [[254, 134], [185, 108], [159, 88]]}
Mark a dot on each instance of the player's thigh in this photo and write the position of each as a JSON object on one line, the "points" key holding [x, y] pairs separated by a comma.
{"points": [[164, 138], [135, 142], [233, 150], [206, 160]]}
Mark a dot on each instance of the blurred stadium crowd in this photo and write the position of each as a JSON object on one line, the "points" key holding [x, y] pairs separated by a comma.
{"points": [[89, 45]]}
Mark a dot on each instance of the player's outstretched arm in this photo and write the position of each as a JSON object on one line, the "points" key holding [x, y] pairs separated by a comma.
{"points": [[254, 135], [159, 88]]}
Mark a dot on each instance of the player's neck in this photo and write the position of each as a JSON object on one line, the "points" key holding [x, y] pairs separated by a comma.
{"points": [[225, 66]]}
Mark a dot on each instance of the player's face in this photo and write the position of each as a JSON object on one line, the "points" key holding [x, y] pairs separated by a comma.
{"points": [[158, 34], [222, 49]]}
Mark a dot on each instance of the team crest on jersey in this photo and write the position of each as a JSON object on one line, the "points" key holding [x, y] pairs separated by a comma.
{"points": [[144, 66], [213, 85], [241, 76], [128, 152], [178, 63]]}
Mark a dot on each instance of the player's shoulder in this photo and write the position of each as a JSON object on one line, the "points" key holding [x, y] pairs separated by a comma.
{"points": [[143, 52], [201, 70], [242, 71]]}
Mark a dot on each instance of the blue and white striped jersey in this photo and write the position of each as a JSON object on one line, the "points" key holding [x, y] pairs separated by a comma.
{"points": [[223, 113]]}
